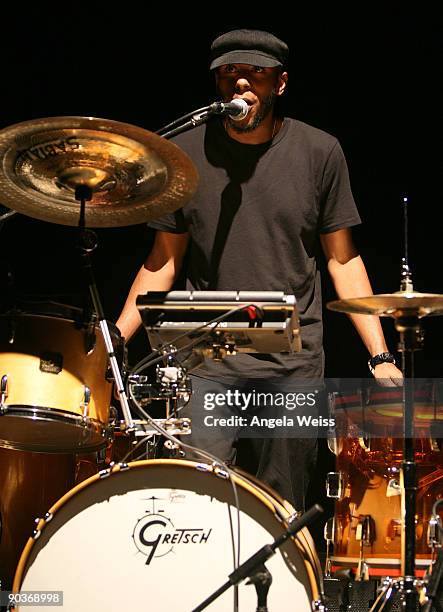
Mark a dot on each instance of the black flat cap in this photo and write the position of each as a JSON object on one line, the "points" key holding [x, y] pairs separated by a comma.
{"points": [[254, 47]]}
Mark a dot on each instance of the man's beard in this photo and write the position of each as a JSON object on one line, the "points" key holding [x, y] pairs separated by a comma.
{"points": [[266, 106]]}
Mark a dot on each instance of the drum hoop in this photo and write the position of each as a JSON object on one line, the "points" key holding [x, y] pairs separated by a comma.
{"points": [[89, 425], [239, 480], [55, 413]]}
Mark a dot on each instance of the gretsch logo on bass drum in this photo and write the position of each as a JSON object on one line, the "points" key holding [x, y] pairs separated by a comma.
{"points": [[155, 535]]}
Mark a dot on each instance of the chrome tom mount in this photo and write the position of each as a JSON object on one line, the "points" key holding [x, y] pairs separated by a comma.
{"points": [[173, 386]]}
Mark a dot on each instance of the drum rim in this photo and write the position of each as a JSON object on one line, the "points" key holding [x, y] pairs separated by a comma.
{"points": [[56, 413], [99, 439], [308, 545], [381, 561], [241, 481]]}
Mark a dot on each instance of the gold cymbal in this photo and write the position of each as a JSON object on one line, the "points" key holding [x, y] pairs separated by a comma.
{"points": [[135, 175], [399, 304]]}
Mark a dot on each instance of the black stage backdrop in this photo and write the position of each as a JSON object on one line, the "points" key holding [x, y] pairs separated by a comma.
{"points": [[371, 78]]}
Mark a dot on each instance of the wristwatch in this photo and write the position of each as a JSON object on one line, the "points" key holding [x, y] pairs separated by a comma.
{"points": [[380, 358]]}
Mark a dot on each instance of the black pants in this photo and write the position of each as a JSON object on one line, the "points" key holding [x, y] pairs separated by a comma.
{"points": [[283, 463]]}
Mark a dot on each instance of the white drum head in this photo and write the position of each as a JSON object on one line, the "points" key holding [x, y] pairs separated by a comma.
{"points": [[157, 537]]}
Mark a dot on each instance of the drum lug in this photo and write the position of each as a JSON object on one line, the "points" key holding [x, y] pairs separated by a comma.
{"points": [[329, 536], [106, 472], [215, 468], [37, 532], [335, 485], [365, 443], [336, 432], [86, 400], [3, 392], [203, 467], [393, 487], [365, 531], [219, 471], [318, 606], [435, 445], [434, 529], [335, 444]]}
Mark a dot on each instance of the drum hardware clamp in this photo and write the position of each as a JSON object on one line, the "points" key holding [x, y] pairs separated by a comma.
{"points": [[3, 392]]}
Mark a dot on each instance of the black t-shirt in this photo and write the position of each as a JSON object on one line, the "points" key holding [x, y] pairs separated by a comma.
{"points": [[254, 223]]}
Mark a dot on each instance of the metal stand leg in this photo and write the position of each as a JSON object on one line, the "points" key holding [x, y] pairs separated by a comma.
{"points": [[88, 243], [410, 341], [262, 581], [386, 599]]}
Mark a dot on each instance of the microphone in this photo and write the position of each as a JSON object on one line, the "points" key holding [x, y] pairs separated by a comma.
{"points": [[236, 109]]}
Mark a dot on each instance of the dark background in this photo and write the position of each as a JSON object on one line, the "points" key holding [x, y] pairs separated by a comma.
{"points": [[371, 78]]}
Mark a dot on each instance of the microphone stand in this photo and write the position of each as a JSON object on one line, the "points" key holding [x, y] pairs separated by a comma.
{"points": [[6, 215], [254, 566], [197, 119], [192, 120], [180, 120]]}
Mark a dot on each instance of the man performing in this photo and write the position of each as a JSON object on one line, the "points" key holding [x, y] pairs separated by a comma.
{"points": [[271, 191]]}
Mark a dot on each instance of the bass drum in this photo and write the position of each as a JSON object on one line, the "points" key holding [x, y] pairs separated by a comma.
{"points": [[29, 484], [157, 535]]}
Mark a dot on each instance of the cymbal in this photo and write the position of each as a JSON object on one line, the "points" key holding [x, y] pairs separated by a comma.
{"points": [[399, 304], [135, 175]]}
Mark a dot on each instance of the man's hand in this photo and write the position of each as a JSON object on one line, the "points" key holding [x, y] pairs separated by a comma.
{"points": [[388, 375]]}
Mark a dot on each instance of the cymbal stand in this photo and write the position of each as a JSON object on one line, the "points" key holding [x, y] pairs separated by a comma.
{"points": [[407, 323], [411, 340], [87, 244]]}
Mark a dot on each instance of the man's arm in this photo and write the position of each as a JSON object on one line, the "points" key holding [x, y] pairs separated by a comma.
{"points": [[158, 273], [350, 279]]}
